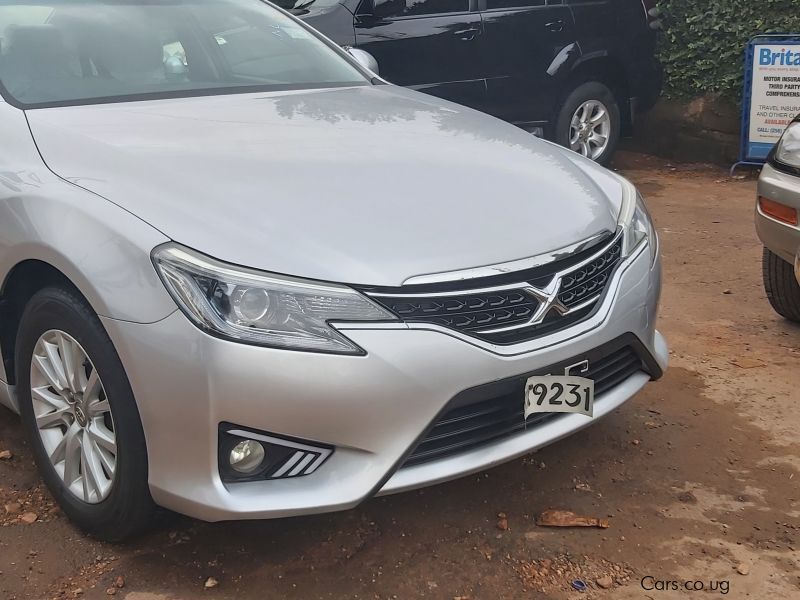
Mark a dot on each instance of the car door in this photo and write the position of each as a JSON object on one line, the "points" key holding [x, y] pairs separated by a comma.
{"points": [[433, 46], [527, 43]]}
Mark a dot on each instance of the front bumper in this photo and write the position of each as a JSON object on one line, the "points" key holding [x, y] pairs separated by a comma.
{"points": [[371, 409], [781, 238]]}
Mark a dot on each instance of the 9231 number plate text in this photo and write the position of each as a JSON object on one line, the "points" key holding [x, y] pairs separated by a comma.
{"points": [[559, 394]]}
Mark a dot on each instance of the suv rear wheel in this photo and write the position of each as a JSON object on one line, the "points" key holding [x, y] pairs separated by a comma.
{"points": [[589, 122], [781, 286]]}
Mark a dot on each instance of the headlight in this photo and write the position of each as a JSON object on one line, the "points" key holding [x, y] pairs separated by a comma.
{"points": [[259, 308], [788, 149], [635, 221]]}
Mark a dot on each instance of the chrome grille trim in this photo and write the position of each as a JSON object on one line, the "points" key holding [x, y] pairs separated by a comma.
{"points": [[522, 264], [484, 290], [600, 266]]}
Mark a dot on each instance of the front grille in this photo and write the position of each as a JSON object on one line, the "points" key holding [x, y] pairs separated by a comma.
{"points": [[554, 322], [503, 309], [495, 411], [470, 312], [590, 280]]}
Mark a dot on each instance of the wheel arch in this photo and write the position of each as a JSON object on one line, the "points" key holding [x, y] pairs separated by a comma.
{"points": [[61, 233], [607, 70], [20, 284]]}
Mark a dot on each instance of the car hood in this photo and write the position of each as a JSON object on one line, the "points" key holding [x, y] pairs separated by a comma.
{"points": [[370, 185]]}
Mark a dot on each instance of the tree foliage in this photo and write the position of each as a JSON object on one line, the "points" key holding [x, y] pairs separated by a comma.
{"points": [[703, 46]]}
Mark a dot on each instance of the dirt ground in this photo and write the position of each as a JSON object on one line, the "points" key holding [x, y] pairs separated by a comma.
{"points": [[699, 475]]}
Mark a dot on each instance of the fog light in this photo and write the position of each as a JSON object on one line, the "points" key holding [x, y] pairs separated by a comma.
{"points": [[246, 456], [251, 455]]}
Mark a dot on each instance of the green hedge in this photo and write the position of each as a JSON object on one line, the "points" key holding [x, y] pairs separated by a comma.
{"points": [[703, 46]]}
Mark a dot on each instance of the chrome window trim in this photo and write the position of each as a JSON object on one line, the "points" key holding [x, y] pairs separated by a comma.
{"points": [[505, 268]]}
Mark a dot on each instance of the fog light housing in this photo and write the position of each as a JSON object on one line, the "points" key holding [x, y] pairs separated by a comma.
{"points": [[246, 457]]}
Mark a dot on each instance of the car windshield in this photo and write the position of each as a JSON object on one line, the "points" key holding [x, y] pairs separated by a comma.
{"points": [[65, 52]]}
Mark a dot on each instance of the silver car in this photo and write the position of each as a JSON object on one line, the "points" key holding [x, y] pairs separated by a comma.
{"points": [[778, 225], [243, 277]]}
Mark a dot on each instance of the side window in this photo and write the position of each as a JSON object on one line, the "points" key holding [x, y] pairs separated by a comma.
{"points": [[490, 4], [387, 9]]}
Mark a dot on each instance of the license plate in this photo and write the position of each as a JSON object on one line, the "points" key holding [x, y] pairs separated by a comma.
{"points": [[559, 394]]}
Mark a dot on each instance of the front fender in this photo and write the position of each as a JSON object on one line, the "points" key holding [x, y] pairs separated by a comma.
{"points": [[101, 248]]}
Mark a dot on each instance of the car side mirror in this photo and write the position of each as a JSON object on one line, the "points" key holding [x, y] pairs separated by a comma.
{"points": [[365, 59]]}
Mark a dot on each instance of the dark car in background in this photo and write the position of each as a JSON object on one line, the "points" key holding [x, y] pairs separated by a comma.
{"points": [[575, 71]]}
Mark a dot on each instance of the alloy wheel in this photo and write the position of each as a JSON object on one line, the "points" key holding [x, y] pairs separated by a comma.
{"points": [[73, 416], [590, 129]]}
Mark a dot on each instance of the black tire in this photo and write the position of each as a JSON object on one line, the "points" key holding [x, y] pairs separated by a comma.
{"points": [[128, 509], [585, 92], [781, 286]]}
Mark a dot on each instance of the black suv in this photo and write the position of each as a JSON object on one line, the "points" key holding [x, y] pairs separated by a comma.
{"points": [[575, 71]]}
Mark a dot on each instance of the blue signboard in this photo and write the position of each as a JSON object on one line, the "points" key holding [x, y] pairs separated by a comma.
{"points": [[771, 94]]}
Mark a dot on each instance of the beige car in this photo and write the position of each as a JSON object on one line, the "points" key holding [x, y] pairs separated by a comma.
{"points": [[778, 223]]}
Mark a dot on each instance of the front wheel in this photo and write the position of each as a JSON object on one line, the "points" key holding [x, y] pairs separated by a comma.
{"points": [[781, 286], [78, 408], [589, 122]]}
